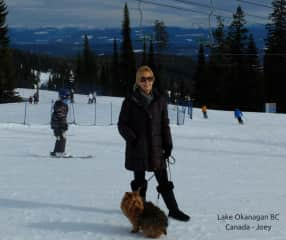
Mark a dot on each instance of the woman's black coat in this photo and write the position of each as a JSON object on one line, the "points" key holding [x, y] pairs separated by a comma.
{"points": [[146, 131]]}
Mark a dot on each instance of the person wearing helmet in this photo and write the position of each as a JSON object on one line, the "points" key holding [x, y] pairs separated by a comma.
{"points": [[238, 115], [205, 111], [59, 123]]}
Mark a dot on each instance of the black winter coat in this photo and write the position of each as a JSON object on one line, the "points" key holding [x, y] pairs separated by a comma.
{"points": [[59, 116], [146, 131]]}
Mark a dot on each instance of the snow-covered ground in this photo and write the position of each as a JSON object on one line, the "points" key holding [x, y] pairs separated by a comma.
{"points": [[222, 168]]}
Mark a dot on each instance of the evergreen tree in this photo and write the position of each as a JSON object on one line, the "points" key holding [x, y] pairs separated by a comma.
{"points": [[153, 66], [218, 66], [7, 74], [103, 79], [254, 87], [116, 83], [237, 36], [87, 69], [161, 35], [51, 85], [198, 78], [127, 60], [151, 59], [161, 38], [144, 53], [237, 43], [275, 56]]}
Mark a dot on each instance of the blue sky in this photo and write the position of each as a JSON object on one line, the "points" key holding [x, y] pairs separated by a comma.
{"points": [[109, 13]]}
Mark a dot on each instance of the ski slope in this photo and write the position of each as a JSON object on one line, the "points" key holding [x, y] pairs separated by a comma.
{"points": [[223, 170]]}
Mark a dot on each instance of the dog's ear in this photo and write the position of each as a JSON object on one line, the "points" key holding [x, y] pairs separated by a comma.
{"points": [[128, 194]]}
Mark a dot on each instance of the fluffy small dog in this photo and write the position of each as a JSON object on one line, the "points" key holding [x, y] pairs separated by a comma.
{"points": [[144, 216]]}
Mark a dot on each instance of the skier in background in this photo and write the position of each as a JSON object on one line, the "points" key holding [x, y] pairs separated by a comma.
{"points": [[204, 111], [30, 99], [36, 98], [94, 97], [59, 123], [238, 115], [90, 98]]}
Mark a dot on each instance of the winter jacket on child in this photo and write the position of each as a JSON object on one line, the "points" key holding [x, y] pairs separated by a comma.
{"points": [[59, 116]]}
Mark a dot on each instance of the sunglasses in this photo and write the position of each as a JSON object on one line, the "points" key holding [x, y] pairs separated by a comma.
{"points": [[144, 79]]}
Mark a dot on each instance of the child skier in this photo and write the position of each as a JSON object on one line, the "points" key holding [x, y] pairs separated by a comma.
{"points": [[59, 123], [238, 115], [204, 111]]}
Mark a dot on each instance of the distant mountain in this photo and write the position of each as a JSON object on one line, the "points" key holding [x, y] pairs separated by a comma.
{"points": [[68, 41]]}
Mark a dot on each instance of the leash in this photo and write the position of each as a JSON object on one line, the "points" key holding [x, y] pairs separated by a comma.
{"points": [[170, 161]]}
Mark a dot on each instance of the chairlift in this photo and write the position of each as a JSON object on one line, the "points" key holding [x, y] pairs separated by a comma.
{"points": [[210, 44], [140, 35]]}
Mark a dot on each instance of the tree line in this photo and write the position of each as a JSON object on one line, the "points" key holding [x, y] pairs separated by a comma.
{"points": [[228, 72], [233, 76]]}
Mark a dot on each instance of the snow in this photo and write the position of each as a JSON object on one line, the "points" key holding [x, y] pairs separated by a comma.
{"points": [[221, 168], [44, 78]]}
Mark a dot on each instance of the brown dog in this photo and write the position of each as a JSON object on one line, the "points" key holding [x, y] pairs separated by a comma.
{"points": [[144, 216]]}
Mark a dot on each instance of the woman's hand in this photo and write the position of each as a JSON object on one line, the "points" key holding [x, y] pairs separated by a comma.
{"points": [[167, 152]]}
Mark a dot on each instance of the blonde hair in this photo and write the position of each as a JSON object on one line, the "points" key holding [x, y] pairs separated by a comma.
{"points": [[141, 70]]}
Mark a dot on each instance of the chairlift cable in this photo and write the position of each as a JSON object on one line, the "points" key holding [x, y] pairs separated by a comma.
{"points": [[197, 11], [255, 3], [172, 6], [140, 13], [216, 8]]}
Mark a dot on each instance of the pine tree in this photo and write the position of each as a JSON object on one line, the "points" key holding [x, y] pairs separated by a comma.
{"points": [[161, 35], [198, 78], [103, 79], [127, 60], [254, 87], [237, 36], [151, 59], [161, 38], [116, 83], [89, 59], [144, 53], [7, 74], [275, 56], [87, 69], [237, 43], [218, 66]]}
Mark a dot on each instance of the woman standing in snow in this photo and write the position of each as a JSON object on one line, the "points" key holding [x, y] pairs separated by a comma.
{"points": [[144, 124]]}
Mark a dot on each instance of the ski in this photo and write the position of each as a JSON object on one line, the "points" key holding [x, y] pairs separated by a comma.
{"points": [[74, 156], [63, 157]]}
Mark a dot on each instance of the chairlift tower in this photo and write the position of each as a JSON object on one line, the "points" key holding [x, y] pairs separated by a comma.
{"points": [[141, 36], [210, 25]]}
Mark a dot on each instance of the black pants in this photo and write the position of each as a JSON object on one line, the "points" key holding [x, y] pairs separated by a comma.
{"points": [[60, 144], [240, 120], [161, 176]]}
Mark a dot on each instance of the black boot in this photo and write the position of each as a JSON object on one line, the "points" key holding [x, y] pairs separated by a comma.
{"points": [[57, 146], [166, 190], [135, 185], [62, 145]]}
